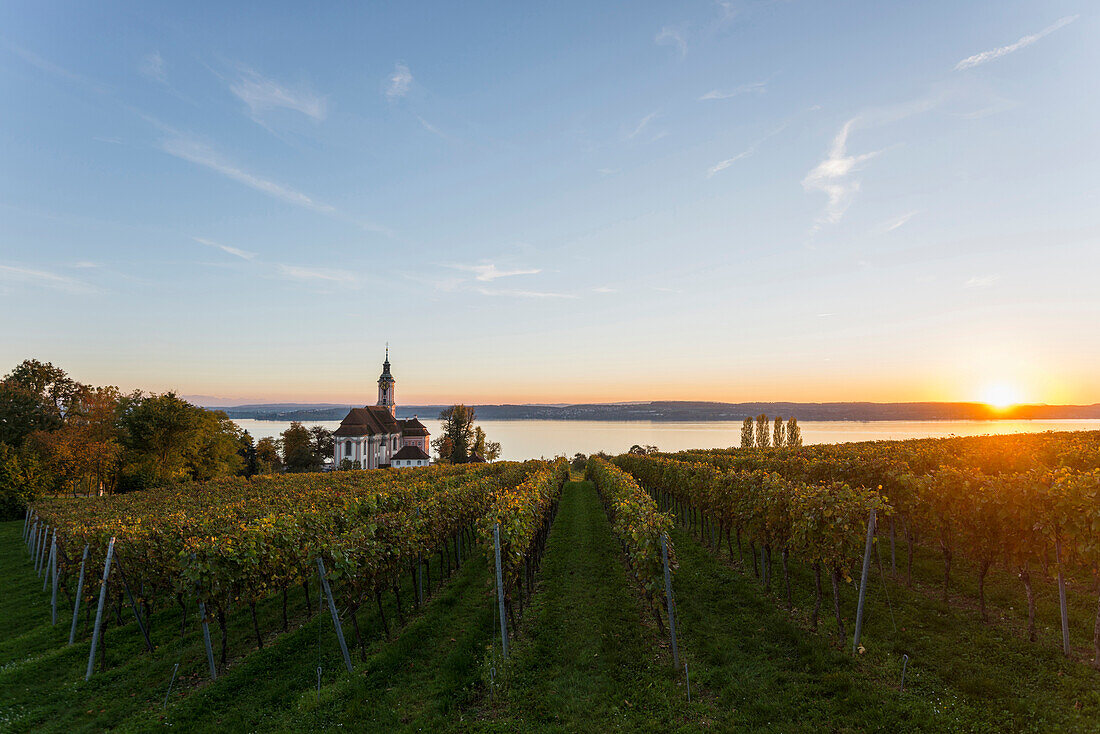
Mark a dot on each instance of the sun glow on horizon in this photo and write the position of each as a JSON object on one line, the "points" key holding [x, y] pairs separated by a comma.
{"points": [[1001, 395]]}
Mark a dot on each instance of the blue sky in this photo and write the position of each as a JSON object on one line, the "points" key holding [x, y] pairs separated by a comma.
{"points": [[560, 202]]}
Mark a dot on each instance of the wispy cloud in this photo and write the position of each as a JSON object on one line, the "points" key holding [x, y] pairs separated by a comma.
{"points": [[672, 36], [751, 88], [55, 69], [262, 94], [641, 126], [605, 289], [153, 66], [490, 272], [986, 56], [243, 254], [430, 127], [524, 294], [317, 275], [833, 176], [399, 81], [202, 155], [43, 279], [898, 222], [981, 281], [723, 165]]}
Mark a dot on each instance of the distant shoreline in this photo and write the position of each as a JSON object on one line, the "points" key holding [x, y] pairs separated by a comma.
{"points": [[682, 411]]}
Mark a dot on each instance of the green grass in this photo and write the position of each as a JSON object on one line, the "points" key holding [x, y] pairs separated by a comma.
{"points": [[963, 674], [583, 659], [269, 689]]}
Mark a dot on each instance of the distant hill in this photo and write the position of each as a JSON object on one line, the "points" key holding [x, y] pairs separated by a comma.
{"points": [[674, 410]]}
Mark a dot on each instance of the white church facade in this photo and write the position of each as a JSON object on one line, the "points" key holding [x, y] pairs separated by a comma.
{"points": [[372, 437]]}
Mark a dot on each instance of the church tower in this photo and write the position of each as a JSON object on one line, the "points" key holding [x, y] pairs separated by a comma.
{"points": [[385, 386]]}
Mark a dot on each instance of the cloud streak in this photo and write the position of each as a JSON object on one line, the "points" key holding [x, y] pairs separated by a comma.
{"points": [[43, 279], [490, 272], [524, 294], [202, 155], [262, 95], [243, 254], [317, 275], [986, 56], [833, 176], [400, 81], [751, 88], [899, 222], [641, 126]]}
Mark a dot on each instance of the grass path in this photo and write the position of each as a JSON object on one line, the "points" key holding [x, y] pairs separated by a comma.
{"points": [[584, 661]]}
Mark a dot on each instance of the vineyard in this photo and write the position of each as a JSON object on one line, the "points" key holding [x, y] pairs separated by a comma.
{"points": [[1030, 503], [858, 586]]}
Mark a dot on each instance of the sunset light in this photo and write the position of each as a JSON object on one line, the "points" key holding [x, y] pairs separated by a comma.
{"points": [[1001, 395]]}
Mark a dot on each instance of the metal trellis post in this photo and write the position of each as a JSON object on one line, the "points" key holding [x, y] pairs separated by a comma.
{"points": [[863, 580], [99, 609], [79, 591], [500, 591]]}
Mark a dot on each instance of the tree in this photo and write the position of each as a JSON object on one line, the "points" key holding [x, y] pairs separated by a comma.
{"points": [[324, 445], [578, 462], [747, 440], [298, 454], [157, 432], [215, 450], [457, 439], [639, 450], [35, 397], [794, 433], [763, 440], [167, 438], [778, 434], [22, 480], [247, 452], [488, 450], [86, 449], [268, 459]]}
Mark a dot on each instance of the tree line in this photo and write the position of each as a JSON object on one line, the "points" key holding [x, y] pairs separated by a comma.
{"points": [[756, 433], [58, 435]]}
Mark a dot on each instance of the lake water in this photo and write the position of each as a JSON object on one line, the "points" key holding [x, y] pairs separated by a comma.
{"points": [[534, 439]]}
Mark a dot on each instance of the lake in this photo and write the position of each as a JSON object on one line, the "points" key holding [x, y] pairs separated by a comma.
{"points": [[533, 438]]}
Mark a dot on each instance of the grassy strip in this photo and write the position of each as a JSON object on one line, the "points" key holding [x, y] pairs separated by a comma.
{"points": [[584, 661]]}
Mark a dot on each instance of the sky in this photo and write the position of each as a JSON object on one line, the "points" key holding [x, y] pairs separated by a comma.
{"points": [[560, 202]]}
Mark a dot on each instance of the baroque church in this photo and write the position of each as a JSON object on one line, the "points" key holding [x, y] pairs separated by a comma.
{"points": [[373, 437]]}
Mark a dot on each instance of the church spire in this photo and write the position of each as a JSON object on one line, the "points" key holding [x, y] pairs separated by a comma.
{"points": [[386, 385]]}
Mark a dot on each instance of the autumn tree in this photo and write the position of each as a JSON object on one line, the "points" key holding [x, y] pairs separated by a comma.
{"points": [[461, 438], [763, 439], [457, 439], [794, 433], [779, 436], [35, 396], [268, 457], [488, 450], [22, 479], [747, 440]]}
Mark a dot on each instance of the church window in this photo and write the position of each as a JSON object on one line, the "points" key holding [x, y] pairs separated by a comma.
{"points": [[347, 447]]}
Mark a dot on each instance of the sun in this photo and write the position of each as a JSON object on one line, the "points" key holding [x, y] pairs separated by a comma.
{"points": [[1001, 395]]}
